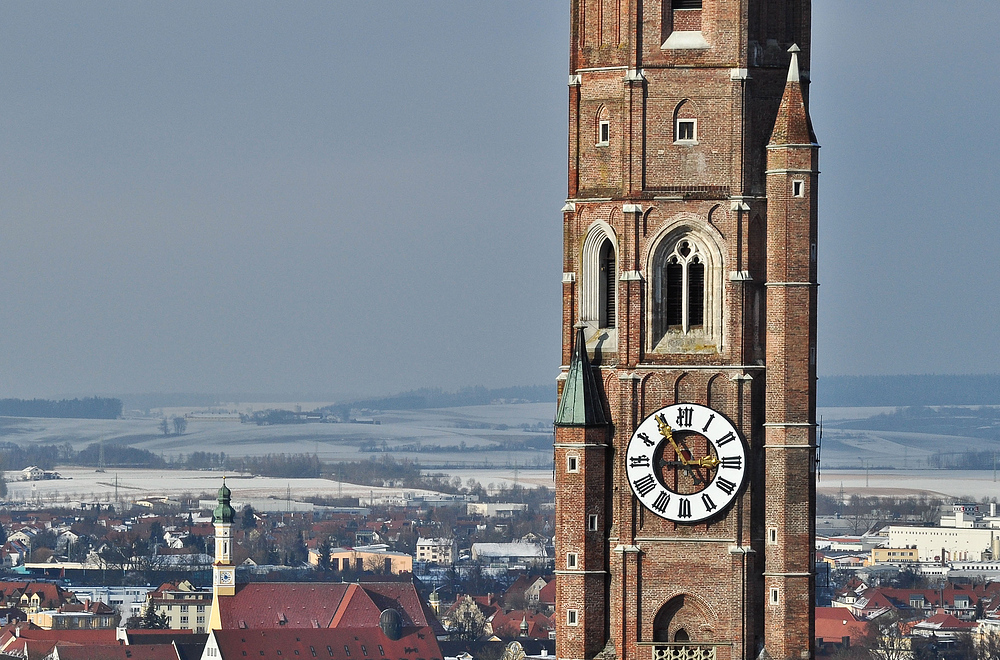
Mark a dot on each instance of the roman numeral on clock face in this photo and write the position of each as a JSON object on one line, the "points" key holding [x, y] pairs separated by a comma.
{"points": [[662, 499], [683, 508], [638, 461], [645, 485], [726, 439], [707, 501], [725, 485], [732, 462]]}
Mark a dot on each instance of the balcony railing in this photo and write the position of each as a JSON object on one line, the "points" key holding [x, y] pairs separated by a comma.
{"points": [[684, 651]]}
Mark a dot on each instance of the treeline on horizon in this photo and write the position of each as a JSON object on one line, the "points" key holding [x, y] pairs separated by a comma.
{"points": [[435, 397], [918, 390], [86, 408], [16, 457], [381, 471]]}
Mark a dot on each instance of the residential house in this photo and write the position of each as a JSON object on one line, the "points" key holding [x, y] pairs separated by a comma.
{"points": [[185, 606], [440, 551]]}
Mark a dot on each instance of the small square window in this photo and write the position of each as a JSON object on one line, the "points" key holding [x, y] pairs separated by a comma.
{"points": [[571, 617], [604, 132], [798, 188], [687, 130], [774, 595], [571, 560], [572, 463], [592, 522]]}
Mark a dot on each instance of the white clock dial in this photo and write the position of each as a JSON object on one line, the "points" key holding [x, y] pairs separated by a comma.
{"points": [[686, 463]]}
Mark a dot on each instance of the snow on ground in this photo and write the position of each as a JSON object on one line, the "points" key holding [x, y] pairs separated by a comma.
{"points": [[451, 432], [965, 484], [87, 485]]}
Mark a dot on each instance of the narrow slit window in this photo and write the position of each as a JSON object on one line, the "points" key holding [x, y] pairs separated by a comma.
{"points": [[798, 189], [604, 132], [685, 4], [571, 617], [572, 464], [774, 596], [571, 560], [592, 522]]}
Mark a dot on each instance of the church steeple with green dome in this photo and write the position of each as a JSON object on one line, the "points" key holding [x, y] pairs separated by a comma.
{"points": [[223, 512]]}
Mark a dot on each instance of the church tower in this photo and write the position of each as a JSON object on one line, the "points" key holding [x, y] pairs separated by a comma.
{"points": [[686, 428], [223, 571]]}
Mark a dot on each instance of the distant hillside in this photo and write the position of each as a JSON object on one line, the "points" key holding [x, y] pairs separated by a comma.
{"points": [[467, 396], [87, 408], [925, 390]]}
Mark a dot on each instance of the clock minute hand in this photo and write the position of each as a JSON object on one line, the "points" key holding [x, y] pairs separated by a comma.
{"points": [[668, 433]]}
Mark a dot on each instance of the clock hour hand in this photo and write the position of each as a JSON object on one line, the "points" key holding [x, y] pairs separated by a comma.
{"points": [[668, 433]]}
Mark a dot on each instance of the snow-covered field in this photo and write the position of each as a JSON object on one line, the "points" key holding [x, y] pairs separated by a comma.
{"points": [[84, 484], [446, 437], [965, 484]]}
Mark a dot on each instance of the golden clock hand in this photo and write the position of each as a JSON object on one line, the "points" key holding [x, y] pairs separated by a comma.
{"points": [[708, 461], [668, 433]]}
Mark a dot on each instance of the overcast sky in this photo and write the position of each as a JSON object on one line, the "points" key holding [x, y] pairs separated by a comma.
{"points": [[349, 197]]}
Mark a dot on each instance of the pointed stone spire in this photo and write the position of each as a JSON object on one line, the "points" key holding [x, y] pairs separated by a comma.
{"points": [[580, 404], [793, 67], [793, 126]]}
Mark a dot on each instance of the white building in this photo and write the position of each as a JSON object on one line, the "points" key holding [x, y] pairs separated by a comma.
{"points": [[957, 544], [509, 554], [442, 552], [495, 509], [129, 601]]}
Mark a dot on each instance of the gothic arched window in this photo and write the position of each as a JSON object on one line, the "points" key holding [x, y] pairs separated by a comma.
{"points": [[681, 294], [608, 280], [599, 291], [685, 297]]}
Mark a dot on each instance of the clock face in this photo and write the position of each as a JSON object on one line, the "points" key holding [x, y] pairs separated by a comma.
{"points": [[686, 463], [225, 577]]}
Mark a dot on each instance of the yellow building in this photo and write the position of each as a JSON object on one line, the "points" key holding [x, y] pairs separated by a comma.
{"points": [[894, 555], [369, 558]]}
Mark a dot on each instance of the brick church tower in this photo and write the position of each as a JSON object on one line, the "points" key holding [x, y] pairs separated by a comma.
{"points": [[686, 428]]}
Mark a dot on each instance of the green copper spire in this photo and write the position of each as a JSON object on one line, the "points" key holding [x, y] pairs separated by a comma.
{"points": [[223, 513], [580, 404]]}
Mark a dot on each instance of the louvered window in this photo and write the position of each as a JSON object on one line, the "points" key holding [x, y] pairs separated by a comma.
{"points": [[696, 294], [608, 280], [675, 295], [685, 4]]}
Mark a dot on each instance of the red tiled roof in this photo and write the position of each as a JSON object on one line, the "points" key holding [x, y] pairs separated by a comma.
{"points": [[508, 624], [262, 605], [835, 613], [946, 622], [830, 629], [547, 596], [361, 642], [100, 636], [118, 652]]}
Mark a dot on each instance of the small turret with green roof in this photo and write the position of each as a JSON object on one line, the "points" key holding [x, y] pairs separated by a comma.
{"points": [[224, 512]]}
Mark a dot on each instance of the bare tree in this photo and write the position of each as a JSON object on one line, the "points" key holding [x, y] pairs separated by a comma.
{"points": [[180, 425], [165, 426], [885, 639], [988, 644], [467, 621]]}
